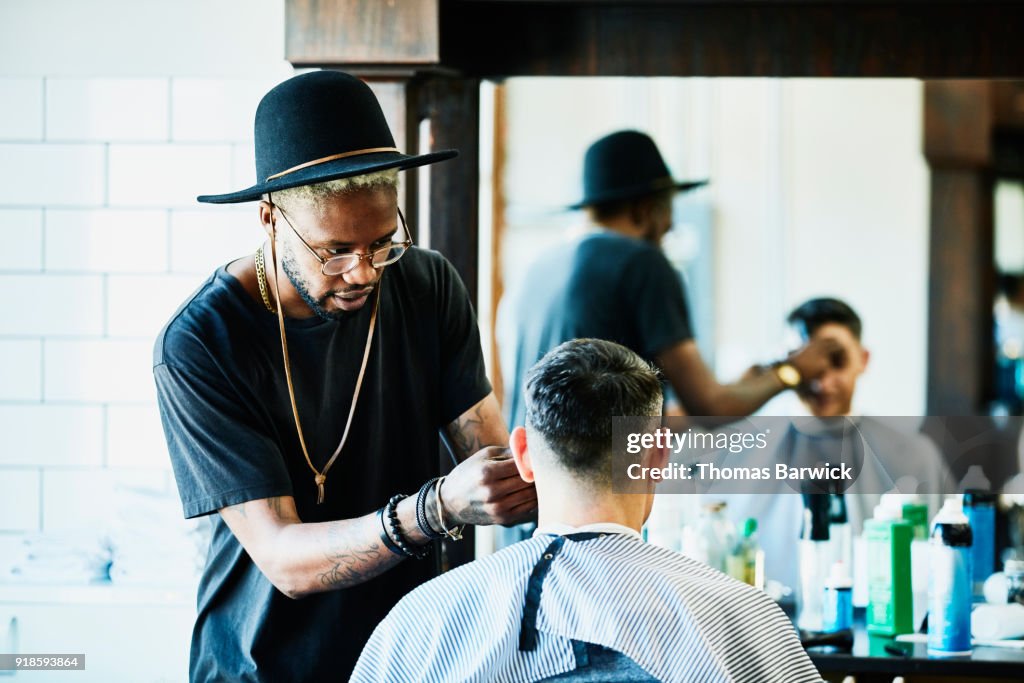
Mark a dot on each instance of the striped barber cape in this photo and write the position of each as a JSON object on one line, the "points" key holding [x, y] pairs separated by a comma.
{"points": [[513, 616]]}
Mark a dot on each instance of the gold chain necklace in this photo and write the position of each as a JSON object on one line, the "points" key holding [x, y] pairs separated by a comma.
{"points": [[261, 280], [319, 476]]}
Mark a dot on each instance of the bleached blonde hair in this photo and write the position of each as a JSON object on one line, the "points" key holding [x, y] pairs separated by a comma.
{"points": [[312, 194]]}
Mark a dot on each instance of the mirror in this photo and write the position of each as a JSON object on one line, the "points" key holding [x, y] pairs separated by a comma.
{"points": [[818, 187]]}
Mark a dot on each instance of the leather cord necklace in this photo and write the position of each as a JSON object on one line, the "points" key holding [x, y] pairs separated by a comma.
{"points": [[319, 476]]}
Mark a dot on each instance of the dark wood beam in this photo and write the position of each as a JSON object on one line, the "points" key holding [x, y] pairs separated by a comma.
{"points": [[452, 106], [361, 32], [961, 283], [495, 38]]}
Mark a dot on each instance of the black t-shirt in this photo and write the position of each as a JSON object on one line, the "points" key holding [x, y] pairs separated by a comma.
{"points": [[232, 438], [605, 286]]}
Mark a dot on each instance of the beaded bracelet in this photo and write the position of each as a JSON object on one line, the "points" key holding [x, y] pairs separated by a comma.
{"points": [[421, 512], [384, 537], [396, 529]]}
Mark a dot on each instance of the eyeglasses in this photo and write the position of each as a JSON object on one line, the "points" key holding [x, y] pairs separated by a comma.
{"points": [[343, 263]]}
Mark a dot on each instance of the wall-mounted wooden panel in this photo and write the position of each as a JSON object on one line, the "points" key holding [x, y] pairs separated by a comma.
{"points": [[961, 282], [374, 32], [452, 106], [961, 290], [1008, 104], [925, 40], [958, 123]]}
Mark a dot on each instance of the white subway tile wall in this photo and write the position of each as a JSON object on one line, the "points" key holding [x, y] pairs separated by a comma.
{"points": [[98, 370], [139, 305], [243, 165], [103, 241], [21, 368], [21, 117], [77, 499], [204, 239], [21, 233], [51, 305], [86, 499], [167, 175], [210, 110], [20, 499], [45, 434], [37, 174], [106, 110], [106, 240], [135, 438]]}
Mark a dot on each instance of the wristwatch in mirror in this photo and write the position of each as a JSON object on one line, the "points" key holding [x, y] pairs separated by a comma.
{"points": [[788, 375]]}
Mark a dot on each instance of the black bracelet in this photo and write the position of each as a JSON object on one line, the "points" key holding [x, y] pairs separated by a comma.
{"points": [[384, 537], [396, 530], [421, 511]]}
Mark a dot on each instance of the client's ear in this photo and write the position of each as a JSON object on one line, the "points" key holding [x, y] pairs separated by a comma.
{"points": [[520, 454], [654, 457]]}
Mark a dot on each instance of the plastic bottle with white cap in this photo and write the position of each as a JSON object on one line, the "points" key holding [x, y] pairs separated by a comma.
{"points": [[887, 537], [950, 588], [915, 511], [815, 554], [979, 507]]}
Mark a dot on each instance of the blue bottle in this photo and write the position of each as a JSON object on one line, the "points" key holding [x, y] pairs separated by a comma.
{"points": [[838, 600], [980, 508], [949, 589]]}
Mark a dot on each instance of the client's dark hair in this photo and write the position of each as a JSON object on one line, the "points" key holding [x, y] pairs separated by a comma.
{"points": [[573, 392], [810, 315]]}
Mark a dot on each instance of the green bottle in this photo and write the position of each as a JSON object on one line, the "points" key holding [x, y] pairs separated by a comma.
{"points": [[917, 514], [890, 598]]}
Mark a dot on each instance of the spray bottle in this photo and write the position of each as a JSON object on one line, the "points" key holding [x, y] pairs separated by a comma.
{"points": [[915, 511], [950, 590], [815, 559], [980, 508]]}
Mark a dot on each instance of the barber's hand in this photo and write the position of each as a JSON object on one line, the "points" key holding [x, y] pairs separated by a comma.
{"points": [[486, 488], [816, 357]]}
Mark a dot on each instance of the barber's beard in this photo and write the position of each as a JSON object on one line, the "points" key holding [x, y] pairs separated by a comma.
{"points": [[653, 233], [301, 285]]}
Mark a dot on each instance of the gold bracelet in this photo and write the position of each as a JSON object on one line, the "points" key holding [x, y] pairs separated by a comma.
{"points": [[455, 533]]}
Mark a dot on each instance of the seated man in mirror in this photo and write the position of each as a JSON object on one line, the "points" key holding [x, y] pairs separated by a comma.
{"points": [[889, 452], [585, 597]]}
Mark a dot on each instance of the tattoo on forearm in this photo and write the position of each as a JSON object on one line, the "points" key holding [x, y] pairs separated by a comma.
{"points": [[275, 506], [466, 431], [345, 571], [351, 565]]}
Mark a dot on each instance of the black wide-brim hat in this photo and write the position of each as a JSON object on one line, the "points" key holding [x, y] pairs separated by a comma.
{"points": [[321, 126], [626, 165]]}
